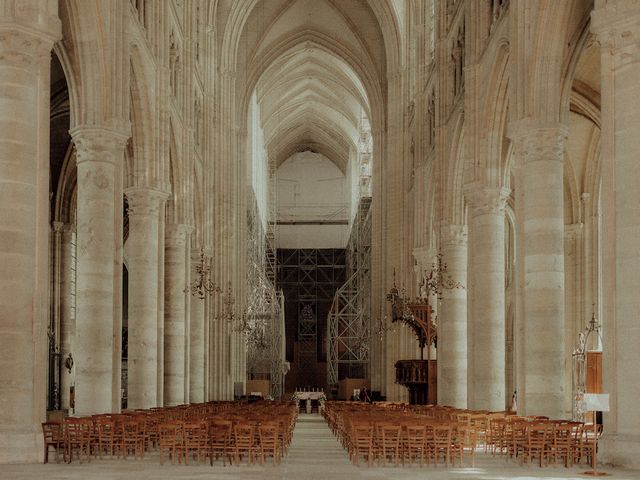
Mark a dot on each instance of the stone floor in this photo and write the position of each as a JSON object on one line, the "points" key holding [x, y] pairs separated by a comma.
{"points": [[314, 455]]}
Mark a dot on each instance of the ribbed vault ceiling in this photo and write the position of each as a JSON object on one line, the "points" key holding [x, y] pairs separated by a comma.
{"points": [[309, 94]]}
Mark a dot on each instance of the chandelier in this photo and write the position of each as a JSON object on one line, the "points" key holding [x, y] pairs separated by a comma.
{"points": [[244, 323], [202, 284], [228, 313], [437, 280]]}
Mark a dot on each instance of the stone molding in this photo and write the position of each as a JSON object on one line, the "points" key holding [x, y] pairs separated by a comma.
{"points": [[23, 48], [487, 200], [40, 17], [538, 142], [145, 201], [454, 236], [617, 27], [99, 144], [27, 32], [573, 230]]}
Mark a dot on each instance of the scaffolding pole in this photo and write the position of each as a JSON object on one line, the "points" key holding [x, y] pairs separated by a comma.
{"points": [[264, 318], [348, 323]]}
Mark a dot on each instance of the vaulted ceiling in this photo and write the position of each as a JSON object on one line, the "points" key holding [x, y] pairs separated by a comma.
{"points": [[318, 67]]}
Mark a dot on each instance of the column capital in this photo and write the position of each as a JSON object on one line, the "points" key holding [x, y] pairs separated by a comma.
{"points": [[454, 235], [176, 233], [28, 31], [534, 141], [617, 26], [424, 256], [144, 201], [484, 200], [99, 144]]}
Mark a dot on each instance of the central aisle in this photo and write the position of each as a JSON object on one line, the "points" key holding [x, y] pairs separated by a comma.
{"points": [[316, 453]]}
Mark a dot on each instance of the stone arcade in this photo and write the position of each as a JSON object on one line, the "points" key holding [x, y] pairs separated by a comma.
{"points": [[135, 134]]}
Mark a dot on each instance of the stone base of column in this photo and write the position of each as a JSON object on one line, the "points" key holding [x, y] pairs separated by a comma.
{"points": [[621, 450], [21, 445]]}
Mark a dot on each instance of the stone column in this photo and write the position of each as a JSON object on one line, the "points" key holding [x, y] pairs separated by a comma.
{"points": [[540, 151], [67, 309], [452, 321], [197, 340], [486, 324], [145, 205], [27, 33], [98, 150], [617, 25], [176, 236]]}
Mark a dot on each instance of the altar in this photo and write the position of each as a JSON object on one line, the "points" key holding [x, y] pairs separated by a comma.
{"points": [[307, 398]]}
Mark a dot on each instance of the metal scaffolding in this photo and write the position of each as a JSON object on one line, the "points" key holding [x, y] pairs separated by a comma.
{"points": [[348, 323], [272, 227], [264, 316]]}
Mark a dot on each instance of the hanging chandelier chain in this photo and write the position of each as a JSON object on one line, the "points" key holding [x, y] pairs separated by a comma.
{"points": [[202, 285]]}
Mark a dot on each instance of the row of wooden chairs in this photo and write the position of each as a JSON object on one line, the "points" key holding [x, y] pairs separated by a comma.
{"points": [[403, 433], [231, 431], [224, 438], [383, 441]]}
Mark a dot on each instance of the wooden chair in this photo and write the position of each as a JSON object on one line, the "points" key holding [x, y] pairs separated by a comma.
{"points": [[284, 425], [415, 443], [576, 441], [466, 437], [243, 436], [518, 437], [536, 446], [170, 440], [105, 429], [77, 437], [585, 447], [133, 438], [362, 441], [220, 440], [442, 442], [463, 418], [499, 435], [479, 422], [52, 432], [387, 443], [562, 443], [269, 442], [195, 440]]}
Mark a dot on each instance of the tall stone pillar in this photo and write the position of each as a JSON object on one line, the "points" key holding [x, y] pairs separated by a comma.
{"points": [[452, 321], [486, 331], [27, 34], [617, 25], [197, 341], [145, 205], [176, 236], [67, 309], [98, 151], [540, 151]]}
